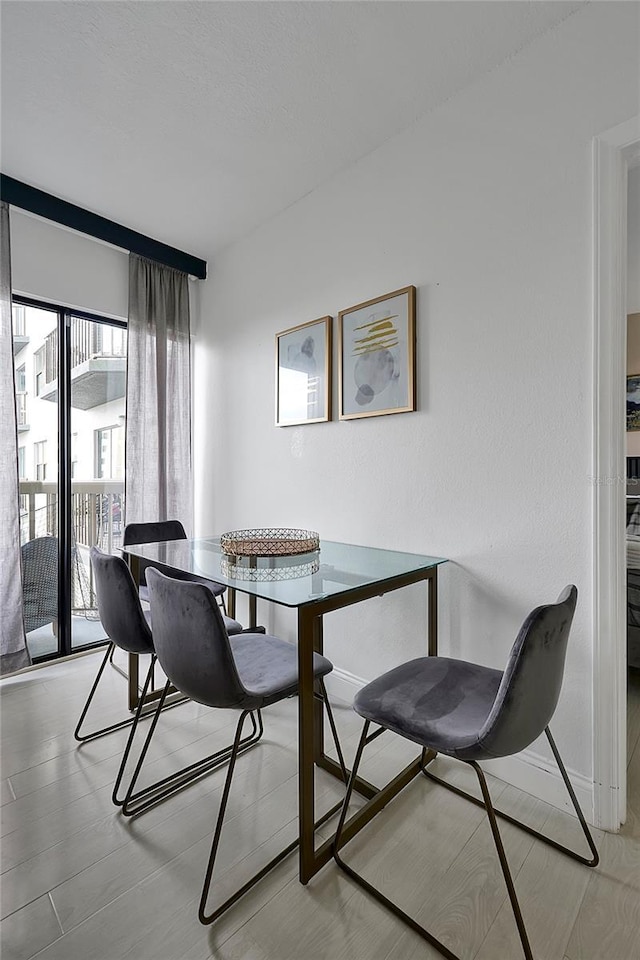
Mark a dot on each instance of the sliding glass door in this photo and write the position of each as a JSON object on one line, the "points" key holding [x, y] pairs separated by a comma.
{"points": [[70, 376], [97, 417]]}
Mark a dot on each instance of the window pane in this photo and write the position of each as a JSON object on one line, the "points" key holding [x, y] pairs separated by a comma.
{"points": [[37, 409], [98, 379]]}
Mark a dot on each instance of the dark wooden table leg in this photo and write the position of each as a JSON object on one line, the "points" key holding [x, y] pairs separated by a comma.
{"points": [[134, 690], [306, 744], [433, 613], [231, 602], [318, 709], [311, 740], [133, 681], [253, 600]]}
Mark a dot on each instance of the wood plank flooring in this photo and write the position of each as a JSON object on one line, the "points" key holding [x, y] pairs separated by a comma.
{"points": [[79, 882]]}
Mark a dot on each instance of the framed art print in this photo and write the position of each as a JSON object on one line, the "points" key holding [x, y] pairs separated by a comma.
{"points": [[377, 356], [303, 373]]}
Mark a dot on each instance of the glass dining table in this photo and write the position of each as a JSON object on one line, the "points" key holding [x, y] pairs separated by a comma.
{"points": [[337, 575]]}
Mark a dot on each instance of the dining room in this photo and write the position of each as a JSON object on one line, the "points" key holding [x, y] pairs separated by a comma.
{"points": [[315, 283]]}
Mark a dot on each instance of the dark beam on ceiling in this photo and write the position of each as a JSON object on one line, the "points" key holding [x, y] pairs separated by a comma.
{"points": [[45, 205]]}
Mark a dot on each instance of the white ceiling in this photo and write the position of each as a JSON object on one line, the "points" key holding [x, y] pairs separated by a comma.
{"points": [[193, 122]]}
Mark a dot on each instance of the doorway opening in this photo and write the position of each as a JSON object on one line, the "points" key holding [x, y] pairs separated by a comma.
{"points": [[615, 152], [633, 489]]}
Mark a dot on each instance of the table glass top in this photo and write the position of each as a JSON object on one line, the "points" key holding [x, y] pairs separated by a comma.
{"points": [[336, 568]]}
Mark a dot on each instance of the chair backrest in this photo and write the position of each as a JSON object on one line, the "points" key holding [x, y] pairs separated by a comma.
{"points": [[40, 581], [528, 693], [191, 642], [154, 532], [118, 603]]}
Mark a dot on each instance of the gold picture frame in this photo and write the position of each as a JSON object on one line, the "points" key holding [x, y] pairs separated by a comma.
{"points": [[303, 373], [377, 361]]}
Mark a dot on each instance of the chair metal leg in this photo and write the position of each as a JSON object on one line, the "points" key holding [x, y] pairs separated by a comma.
{"points": [[84, 737], [334, 731], [116, 666], [202, 914], [492, 814], [497, 839], [595, 858], [115, 726], [133, 804], [356, 877], [350, 785], [208, 918], [132, 732]]}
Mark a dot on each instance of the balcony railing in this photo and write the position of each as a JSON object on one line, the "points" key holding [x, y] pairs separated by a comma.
{"points": [[89, 341], [98, 364], [20, 337], [19, 321], [21, 410], [97, 510]]}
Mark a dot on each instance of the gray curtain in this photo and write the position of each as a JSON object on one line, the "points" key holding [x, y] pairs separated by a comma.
{"points": [[158, 440], [13, 648]]}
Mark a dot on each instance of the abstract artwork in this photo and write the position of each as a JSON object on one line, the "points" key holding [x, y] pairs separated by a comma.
{"points": [[633, 403], [303, 373], [377, 356]]}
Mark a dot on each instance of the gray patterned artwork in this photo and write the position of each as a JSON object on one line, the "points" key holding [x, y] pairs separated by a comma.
{"points": [[377, 356], [303, 365]]}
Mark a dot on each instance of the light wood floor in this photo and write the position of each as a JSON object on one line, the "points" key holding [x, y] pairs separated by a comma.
{"points": [[80, 882]]}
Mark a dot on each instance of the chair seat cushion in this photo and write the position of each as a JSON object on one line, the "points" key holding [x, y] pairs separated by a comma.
{"points": [[268, 667], [217, 589], [435, 701], [233, 626]]}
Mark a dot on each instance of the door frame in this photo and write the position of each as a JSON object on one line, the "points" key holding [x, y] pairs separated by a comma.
{"points": [[614, 152]]}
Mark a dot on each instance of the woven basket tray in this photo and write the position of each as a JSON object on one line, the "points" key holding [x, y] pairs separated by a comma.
{"points": [[269, 542]]}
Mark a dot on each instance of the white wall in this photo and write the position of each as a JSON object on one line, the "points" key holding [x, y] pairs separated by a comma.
{"points": [[51, 263], [56, 265], [485, 205]]}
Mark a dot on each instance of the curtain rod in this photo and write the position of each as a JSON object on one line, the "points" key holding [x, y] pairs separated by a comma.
{"points": [[22, 195]]}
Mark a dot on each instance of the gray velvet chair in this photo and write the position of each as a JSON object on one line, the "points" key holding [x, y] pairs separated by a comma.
{"points": [[128, 628], [173, 530], [124, 623], [156, 533], [474, 713], [244, 673]]}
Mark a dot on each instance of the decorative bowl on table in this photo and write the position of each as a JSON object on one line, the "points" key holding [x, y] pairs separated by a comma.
{"points": [[243, 548], [269, 542]]}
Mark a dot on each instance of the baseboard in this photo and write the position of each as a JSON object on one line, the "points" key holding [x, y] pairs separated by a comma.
{"points": [[527, 771], [535, 775], [342, 685], [52, 663]]}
